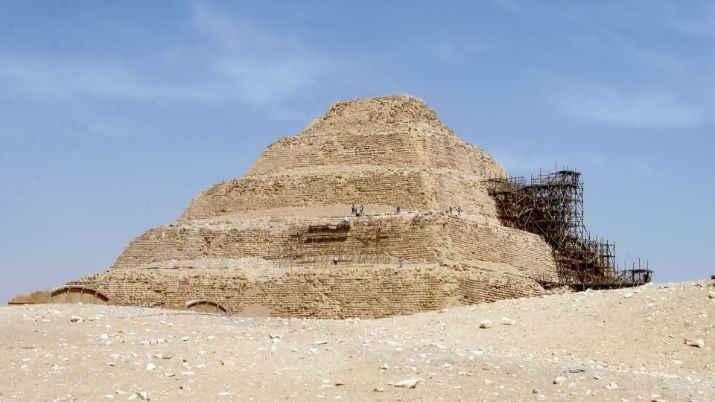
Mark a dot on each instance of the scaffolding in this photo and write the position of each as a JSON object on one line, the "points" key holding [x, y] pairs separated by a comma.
{"points": [[551, 205]]}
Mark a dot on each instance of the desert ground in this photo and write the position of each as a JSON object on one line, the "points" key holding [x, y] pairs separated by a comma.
{"points": [[620, 345]]}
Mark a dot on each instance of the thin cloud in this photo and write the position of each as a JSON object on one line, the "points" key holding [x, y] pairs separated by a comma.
{"points": [[630, 50], [511, 5], [459, 51], [603, 104], [259, 65], [243, 63], [58, 78], [698, 22], [527, 163]]}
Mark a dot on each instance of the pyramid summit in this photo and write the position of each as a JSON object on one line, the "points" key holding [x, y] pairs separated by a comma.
{"points": [[376, 151], [374, 209]]}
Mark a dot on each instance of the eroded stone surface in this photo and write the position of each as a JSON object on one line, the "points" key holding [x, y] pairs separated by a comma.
{"points": [[271, 243]]}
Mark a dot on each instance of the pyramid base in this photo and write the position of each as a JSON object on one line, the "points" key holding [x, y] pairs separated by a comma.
{"points": [[331, 292]]}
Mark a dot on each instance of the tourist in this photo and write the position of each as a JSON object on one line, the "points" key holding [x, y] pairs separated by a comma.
{"points": [[353, 210], [361, 208], [346, 221], [400, 262], [459, 211], [398, 208], [335, 260]]}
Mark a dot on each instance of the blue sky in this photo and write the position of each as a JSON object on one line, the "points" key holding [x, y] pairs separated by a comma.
{"points": [[114, 114]]}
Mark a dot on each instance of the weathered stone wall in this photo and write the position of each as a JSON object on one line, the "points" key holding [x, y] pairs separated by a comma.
{"points": [[310, 189], [327, 292], [413, 189], [467, 242], [389, 131], [434, 237]]}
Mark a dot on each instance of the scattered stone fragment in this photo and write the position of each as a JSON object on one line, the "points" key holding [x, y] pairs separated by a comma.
{"points": [[628, 295], [711, 294], [104, 337], [698, 343], [486, 324], [409, 383], [611, 385], [75, 318], [320, 343], [150, 366], [559, 380], [142, 395]]}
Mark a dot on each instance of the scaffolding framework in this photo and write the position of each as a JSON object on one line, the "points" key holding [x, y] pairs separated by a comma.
{"points": [[551, 205]]}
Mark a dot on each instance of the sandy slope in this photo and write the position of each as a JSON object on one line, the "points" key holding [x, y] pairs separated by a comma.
{"points": [[606, 345]]}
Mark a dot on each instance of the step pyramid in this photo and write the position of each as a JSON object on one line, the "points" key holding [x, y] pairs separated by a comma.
{"points": [[283, 240]]}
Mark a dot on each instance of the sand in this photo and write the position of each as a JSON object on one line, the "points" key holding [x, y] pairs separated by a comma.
{"points": [[619, 345]]}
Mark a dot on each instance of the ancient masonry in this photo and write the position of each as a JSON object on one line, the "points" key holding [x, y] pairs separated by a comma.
{"points": [[285, 240]]}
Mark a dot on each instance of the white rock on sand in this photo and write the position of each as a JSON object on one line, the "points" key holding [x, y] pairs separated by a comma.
{"points": [[409, 383], [698, 343]]}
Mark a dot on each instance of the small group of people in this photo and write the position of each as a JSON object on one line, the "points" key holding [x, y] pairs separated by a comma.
{"points": [[458, 210], [357, 211]]}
